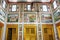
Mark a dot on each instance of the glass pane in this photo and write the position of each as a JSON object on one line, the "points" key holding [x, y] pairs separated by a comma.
{"points": [[14, 7], [28, 7], [44, 8]]}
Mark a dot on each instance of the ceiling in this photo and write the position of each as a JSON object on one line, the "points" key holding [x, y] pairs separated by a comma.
{"points": [[29, 0]]}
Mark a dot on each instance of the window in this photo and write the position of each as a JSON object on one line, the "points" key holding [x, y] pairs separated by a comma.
{"points": [[54, 4], [14, 7], [3, 4], [44, 8], [28, 7]]}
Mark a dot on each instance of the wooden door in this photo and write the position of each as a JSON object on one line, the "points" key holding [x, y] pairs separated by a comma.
{"points": [[9, 36], [48, 33], [14, 37], [30, 32], [12, 32]]}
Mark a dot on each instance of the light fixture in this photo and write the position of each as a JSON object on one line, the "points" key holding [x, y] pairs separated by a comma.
{"points": [[45, 0], [29, 0], [13, 0]]}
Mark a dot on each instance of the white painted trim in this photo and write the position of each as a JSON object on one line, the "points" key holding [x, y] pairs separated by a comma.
{"points": [[4, 31]]}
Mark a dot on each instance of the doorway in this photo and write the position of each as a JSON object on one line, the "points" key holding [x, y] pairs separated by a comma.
{"points": [[11, 34], [48, 32], [30, 32]]}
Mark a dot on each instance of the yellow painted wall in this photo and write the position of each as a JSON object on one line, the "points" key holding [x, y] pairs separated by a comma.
{"points": [[12, 26]]}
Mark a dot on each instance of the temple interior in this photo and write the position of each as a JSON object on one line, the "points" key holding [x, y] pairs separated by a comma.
{"points": [[29, 19]]}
